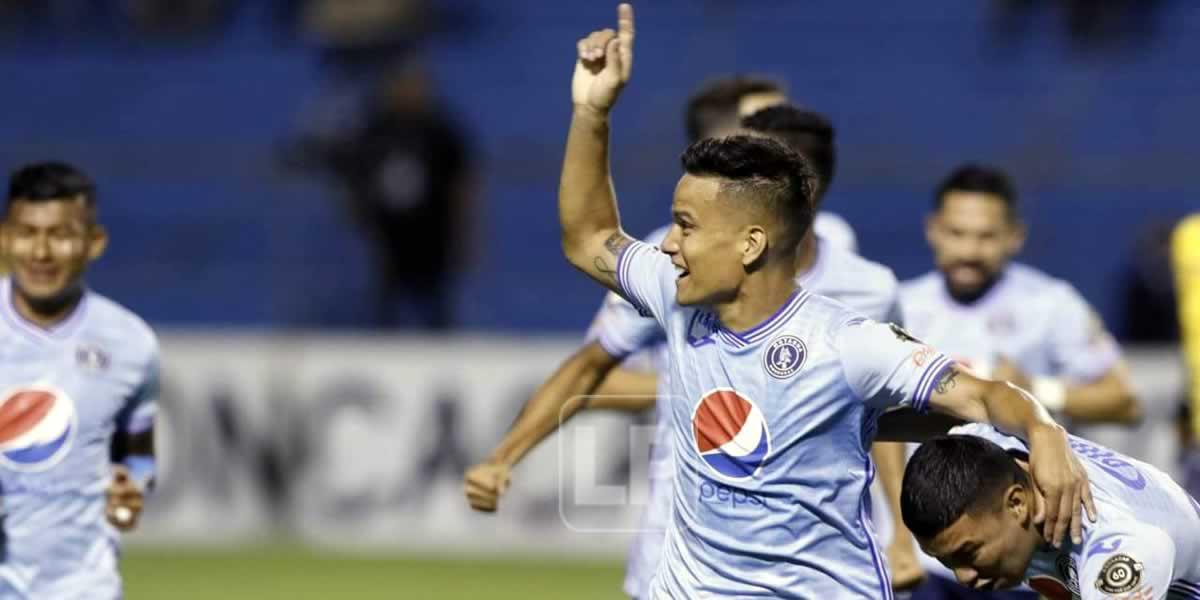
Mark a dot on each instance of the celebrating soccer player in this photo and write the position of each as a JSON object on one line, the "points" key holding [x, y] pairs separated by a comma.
{"points": [[618, 331], [969, 499], [1007, 321], [739, 331], [80, 383]]}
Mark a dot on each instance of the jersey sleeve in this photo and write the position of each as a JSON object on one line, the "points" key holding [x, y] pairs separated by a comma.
{"points": [[1126, 560], [887, 367], [1081, 348], [646, 279], [620, 329], [137, 415]]}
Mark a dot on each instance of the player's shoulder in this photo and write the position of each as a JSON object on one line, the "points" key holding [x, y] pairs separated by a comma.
{"points": [[113, 319], [1030, 282], [921, 287], [863, 271], [835, 230], [656, 237]]}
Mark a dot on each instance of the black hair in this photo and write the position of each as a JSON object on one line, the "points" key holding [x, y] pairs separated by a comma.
{"points": [[716, 102], [45, 181], [762, 169], [974, 177], [950, 475], [805, 131]]}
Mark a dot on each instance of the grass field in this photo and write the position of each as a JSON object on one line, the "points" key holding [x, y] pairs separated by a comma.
{"points": [[293, 573]]}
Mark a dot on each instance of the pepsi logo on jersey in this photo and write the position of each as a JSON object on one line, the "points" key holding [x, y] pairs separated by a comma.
{"points": [[730, 434], [37, 427]]}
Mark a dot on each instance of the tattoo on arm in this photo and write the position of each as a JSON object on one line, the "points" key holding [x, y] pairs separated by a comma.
{"points": [[946, 382], [602, 266], [615, 243]]}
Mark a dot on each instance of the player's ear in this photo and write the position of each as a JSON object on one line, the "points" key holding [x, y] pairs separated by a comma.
{"points": [[1019, 233], [97, 242], [931, 228], [1018, 503], [754, 244]]}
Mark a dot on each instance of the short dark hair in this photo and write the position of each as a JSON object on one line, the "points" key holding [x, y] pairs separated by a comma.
{"points": [[974, 177], [950, 475], [41, 182], [716, 102], [805, 131], [777, 177]]}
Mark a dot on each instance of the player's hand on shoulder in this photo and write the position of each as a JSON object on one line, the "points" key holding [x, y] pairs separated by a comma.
{"points": [[1064, 484], [603, 63], [484, 483], [124, 500]]}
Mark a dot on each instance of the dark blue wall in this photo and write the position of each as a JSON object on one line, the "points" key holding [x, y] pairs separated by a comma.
{"points": [[208, 229]]}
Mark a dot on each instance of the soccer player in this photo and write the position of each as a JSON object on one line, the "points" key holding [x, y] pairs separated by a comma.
{"points": [[771, 468], [80, 381], [969, 500], [1007, 321], [619, 332]]}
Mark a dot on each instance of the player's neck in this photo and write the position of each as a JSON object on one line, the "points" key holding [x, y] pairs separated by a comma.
{"points": [[762, 295], [47, 313], [806, 255]]}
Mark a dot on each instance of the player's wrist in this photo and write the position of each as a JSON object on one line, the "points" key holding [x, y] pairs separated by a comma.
{"points": [[592, 113], [1050, 392]]}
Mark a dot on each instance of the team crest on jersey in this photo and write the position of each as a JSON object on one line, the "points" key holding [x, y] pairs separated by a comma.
{"points": [[1119, 574], [92, 358], [37, 427], [784, 356], [730, 433]]}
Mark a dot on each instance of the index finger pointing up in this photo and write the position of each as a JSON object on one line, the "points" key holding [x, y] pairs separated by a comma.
{"points": [[625, 22]]}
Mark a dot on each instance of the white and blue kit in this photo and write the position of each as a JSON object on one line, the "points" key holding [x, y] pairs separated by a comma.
{"points": [[865, 286], [1145, 543], [1038, 322], [771, 433], [65, 392]]}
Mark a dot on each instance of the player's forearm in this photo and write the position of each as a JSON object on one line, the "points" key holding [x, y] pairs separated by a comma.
{"points": [[1107, 400], [586, 202], [626, 390], [554, 402], [1011, 409]]}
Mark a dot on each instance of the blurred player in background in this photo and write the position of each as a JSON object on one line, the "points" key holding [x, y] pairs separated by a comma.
{"points": [[619, 332], [1008, 321], [1185, 261], [968, 498], [792, 449], [79, 375]]}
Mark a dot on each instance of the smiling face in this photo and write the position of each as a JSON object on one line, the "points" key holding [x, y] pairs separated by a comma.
{"points": [[973, 236], [990, 546], [707, 242], [50, 243]]}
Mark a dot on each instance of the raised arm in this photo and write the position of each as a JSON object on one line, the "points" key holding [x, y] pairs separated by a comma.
{"points": [[1055, 469], [591, 230]]}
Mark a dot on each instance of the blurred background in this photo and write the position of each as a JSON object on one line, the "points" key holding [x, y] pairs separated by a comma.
{"points": [[340, 216]]}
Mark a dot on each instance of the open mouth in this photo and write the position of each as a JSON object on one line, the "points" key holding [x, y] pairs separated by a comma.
{"points": [[680, 273]]}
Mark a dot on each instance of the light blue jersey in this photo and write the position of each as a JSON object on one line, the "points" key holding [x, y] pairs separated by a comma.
{"points": [[771, 429], [1144, 545], [65, 392], [1038, 322], [867, 287]]}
